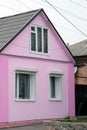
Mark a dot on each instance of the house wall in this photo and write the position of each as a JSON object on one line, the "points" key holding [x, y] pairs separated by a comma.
{"points": [[42, 107], [3, 88], [58, 59]]}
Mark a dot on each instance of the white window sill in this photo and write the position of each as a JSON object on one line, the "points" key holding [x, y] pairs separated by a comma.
{"points": [[25, 100], [40, 53], [55, 100]]}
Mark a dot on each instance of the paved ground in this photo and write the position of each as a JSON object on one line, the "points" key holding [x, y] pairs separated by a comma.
{"points": [[30, 127]]}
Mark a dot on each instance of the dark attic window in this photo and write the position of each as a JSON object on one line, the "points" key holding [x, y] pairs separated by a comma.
{"points": [[39, 39]]}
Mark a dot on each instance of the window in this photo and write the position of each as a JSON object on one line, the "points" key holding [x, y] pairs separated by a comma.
{"points": [[39, 39], [25, 85], [55, 86]]}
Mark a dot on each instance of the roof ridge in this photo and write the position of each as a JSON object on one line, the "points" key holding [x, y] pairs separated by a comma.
{"points": [[20, 13], [78, 42]]}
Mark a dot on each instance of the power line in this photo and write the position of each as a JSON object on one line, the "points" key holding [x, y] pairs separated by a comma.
{"points": [[23, 4], [77, 4], [9, 8], [65, 18], [69, 13], [66, 28]]}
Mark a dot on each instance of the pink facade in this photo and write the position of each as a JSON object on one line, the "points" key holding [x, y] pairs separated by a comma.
{"points": [[18, 55], [3, 89]]}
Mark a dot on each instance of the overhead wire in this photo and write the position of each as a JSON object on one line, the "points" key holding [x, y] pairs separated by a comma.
{"points": [[9, 7], [65, 18], [50, 7], [55, 9], [77, 4], [68, 12], [77, 16], [66, 28], [23, 4]]}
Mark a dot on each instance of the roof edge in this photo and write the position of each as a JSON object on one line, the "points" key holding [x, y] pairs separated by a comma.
{"points": [[40, 10], [21, 29], [60, 37]]}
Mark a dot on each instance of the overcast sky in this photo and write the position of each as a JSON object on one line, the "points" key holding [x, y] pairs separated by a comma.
{"points": [[75, 11]]}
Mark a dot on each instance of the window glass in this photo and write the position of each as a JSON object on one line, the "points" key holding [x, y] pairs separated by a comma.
{"points": [[39, 39], [45, 37], [33, 41], [55, 87], [25, 85], [32, 28], [52, 79]]}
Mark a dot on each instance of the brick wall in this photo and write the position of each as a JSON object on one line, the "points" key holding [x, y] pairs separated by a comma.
{"points": [[81, 75]]}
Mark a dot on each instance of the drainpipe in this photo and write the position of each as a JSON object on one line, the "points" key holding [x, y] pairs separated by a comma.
{"points": [[75, 69]]}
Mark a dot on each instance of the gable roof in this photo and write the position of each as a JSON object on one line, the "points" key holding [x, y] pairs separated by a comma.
{"points": [[79, 49], [11, 26]]}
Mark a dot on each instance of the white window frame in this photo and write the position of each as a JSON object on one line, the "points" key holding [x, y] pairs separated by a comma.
{"points": [[32, 84], [43, 53], [58, 87]]}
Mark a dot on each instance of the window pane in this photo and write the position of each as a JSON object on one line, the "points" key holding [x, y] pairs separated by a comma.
{"points": [[24, 86], [52, 87], [45, 39], [39, 39], [33, 41], [32, 28]]}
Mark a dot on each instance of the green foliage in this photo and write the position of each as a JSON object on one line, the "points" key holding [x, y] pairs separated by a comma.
{"points": [[77, 119]]}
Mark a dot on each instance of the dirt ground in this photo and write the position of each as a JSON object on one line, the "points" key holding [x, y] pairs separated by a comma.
{"points": [[30, 127]]}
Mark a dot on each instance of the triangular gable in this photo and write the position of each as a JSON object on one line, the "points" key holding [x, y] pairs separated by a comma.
{"points": [[29, 21]]}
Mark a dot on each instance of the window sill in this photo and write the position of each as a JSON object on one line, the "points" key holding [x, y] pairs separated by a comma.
{"points": [[39, 53], [25, 100], [55, 100]]}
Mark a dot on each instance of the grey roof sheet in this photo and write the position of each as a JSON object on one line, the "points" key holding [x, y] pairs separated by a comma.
{"points": [[79, 49], [11, 25]]}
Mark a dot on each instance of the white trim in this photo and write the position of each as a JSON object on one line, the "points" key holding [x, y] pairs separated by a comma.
{"points": [[54, 99], [17, 85], [56, 74], [23, 100], [42, 27], [32, 73]]}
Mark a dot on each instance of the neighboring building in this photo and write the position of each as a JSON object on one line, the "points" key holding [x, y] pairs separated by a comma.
{"points": [[79, 51], [36, 69]]}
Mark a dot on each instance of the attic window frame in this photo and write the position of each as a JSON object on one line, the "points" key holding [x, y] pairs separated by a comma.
{"points": [[36, 39]]}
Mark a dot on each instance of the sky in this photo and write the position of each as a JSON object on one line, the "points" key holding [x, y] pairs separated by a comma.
{"points": [[68, 16]]}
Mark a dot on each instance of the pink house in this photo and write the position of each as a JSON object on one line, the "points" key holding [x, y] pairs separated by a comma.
{"points": [[36, 69]]}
